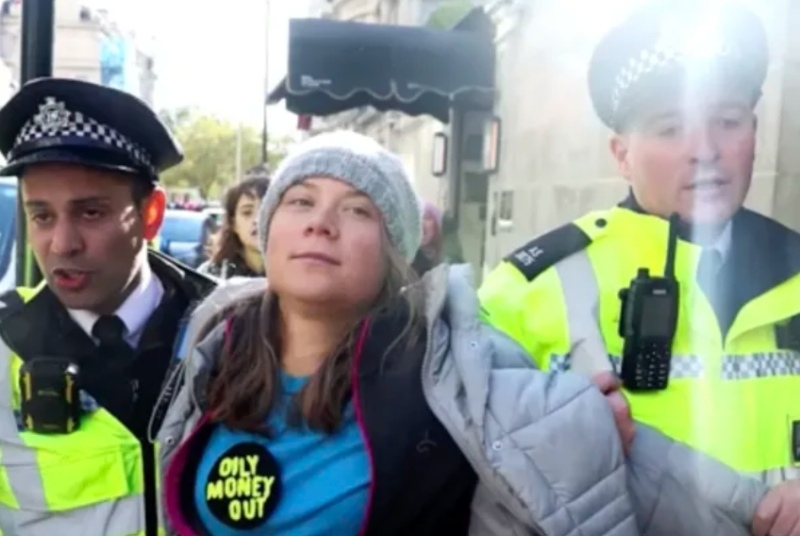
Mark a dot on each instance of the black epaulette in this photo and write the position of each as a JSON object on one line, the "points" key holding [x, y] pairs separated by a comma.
{"points": [[545, 251], [10, 303]]}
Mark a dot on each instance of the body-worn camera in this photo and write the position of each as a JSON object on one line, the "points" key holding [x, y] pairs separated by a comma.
{"points": [[50, 395]]}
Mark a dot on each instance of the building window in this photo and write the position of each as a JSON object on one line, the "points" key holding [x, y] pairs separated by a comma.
{"points": [[85, 14]]}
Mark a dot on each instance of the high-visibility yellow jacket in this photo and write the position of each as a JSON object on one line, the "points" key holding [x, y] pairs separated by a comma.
{"points": [[86, 483], [734, 396]]}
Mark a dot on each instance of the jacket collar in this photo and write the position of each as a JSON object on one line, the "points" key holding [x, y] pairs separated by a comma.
{"points": [[684, 228]]}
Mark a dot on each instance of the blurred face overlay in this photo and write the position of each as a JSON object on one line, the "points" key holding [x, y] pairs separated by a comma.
{"points": [[88, 232], [326, 247], [690, 154]]}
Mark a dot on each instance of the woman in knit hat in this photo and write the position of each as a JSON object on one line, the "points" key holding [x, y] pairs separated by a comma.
{"points": [[345, 398]]}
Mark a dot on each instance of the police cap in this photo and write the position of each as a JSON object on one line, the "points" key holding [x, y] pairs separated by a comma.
{"points": [[669, 44], [53, 120]]}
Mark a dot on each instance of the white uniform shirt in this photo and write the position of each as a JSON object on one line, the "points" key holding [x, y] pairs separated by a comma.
{"points": [[134, 311]]}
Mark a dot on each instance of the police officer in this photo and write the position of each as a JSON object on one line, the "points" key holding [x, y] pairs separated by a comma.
{"points": [[84, 355], [677, 84]]}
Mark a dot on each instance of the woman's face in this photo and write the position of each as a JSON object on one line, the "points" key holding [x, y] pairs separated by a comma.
{"points": [[244, 221], [326, 246]]}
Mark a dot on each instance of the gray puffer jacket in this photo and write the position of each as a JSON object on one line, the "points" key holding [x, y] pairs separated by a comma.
{"points": [[544, 445]]}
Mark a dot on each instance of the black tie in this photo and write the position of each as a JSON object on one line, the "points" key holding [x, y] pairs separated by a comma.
{"points": [[109, 330], [708, 269], [114, 387], [710, 277]]}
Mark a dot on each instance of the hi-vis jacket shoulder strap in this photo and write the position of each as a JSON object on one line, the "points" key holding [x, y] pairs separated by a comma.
{"points": [[588, 354], [29, 494]]}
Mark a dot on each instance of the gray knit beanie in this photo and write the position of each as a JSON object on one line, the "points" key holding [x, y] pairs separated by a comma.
{"points": [[363, 164]]}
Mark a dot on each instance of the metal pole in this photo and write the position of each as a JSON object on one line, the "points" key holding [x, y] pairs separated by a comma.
{"points": [[38, 26], [238, 178], [264, 138], [264, 127]]}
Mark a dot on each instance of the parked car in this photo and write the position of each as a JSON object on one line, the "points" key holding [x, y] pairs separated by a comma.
{"points": [[184, 235], [8, 229]]}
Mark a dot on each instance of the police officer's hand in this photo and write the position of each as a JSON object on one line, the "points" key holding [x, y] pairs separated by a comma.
{"points": [[778, 514], [610, 386]]}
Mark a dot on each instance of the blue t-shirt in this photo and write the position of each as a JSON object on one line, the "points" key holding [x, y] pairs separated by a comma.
{"points": [[321, 485]]}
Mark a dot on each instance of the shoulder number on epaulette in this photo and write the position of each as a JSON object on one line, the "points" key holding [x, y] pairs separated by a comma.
{"points": [[10, 302], [545, 251]]}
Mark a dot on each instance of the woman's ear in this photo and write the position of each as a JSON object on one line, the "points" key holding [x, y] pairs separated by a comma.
{"points": [[619, 150]]}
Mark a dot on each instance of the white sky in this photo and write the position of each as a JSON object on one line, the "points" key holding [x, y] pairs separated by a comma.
{"points": [[211, 54]]}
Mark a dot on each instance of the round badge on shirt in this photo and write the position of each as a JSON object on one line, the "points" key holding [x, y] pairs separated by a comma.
{"points": [[244, 486]]}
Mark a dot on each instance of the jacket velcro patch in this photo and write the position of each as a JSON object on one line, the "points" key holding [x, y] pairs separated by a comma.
{"points": [[543, 252]]}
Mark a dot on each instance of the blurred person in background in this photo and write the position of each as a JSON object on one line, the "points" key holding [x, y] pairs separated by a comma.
{"points": [[430, 252], [451, 242], [347, 398], [209, 239], [212, 240], [237, 253]]}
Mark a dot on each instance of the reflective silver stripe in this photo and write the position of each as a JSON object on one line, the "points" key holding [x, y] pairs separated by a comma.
{"points": [[773, 477], [122, 517], [587, 354], [681, 366], [761, 365], [18, 459], [587, 347], [734, 367]]}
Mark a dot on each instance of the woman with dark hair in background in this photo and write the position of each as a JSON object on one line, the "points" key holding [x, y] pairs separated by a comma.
{"points": [[237, 252]]}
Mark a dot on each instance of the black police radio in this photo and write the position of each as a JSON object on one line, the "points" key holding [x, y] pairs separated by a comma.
{"points": [[648, 320], [50, 395]]}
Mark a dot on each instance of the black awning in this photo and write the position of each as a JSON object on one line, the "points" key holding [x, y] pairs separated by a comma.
{"points": [[337, 65]]}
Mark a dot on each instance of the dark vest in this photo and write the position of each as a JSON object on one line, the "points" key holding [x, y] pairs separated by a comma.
{"points": [[423, 484]]}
